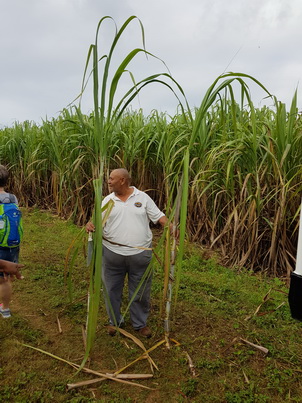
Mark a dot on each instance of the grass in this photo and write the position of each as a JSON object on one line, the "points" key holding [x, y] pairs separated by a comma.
{"points": [[215, 311]]}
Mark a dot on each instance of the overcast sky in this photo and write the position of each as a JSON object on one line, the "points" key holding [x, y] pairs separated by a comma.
{"points": [[44, 46]]}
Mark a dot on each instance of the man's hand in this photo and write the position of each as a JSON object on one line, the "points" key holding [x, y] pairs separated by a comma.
{"points": [[90, 227], [12, 269], [165, 222]]}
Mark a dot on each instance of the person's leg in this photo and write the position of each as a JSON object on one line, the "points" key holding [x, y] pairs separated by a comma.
{"points": [[12, 255], [139, 309], [113, 275], [5, 292]]}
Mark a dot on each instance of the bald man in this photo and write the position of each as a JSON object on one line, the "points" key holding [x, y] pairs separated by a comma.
{"points": [[126, 232]]}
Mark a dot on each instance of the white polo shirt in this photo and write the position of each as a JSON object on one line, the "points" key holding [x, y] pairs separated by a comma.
{"points": [[128, 222]]}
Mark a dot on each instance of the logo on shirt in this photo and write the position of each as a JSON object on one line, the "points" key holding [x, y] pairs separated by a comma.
{"points": [[138, 204]]}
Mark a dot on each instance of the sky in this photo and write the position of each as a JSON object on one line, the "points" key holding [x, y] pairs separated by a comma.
{"points": [[44, 47]]}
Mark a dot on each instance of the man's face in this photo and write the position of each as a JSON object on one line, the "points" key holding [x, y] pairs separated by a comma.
{"points": [[115, 182]]}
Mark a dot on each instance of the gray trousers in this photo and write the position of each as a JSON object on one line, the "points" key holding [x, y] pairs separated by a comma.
{"points": [[114, 270]]}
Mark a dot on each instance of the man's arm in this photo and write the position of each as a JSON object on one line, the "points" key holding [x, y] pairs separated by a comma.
{"points": [[163, 221], [11, 268]]}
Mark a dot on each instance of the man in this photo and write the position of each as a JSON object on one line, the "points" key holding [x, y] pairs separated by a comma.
{"points": [[125, 234]]}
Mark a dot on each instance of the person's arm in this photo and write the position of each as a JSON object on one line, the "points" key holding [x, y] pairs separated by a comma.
{"points": [[11, 268], [163, 221]]}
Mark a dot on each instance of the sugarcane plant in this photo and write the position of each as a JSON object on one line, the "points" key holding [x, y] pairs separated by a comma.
{"points": [[106, 116]]}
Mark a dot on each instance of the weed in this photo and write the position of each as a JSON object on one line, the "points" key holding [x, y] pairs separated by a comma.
{"points": [[189, 387], [246, 396], [211, 365]]}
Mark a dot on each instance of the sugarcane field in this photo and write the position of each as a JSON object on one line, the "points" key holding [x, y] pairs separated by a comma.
{"points": [[225, 313]]}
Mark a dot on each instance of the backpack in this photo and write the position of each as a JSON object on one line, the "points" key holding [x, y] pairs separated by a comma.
{"points": [[11, 226]]}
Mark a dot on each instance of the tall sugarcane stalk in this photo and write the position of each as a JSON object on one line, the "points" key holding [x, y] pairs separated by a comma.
{"points": [[223, 83], [170, 266], [102, 130], [105, 119]]}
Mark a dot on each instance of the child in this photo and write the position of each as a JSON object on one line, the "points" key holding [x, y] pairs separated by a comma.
{"points": [[6, 253]]}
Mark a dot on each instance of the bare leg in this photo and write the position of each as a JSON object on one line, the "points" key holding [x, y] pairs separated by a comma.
{"points": [[5, 293]]}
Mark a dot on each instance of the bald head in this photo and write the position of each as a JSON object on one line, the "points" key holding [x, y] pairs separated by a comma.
{"points": [[119, 181], [122, 173]]}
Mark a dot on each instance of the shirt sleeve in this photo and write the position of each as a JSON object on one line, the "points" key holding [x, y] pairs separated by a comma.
{"points": [[15, 200], [153, 212], [105, 200], [8, 198]]}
